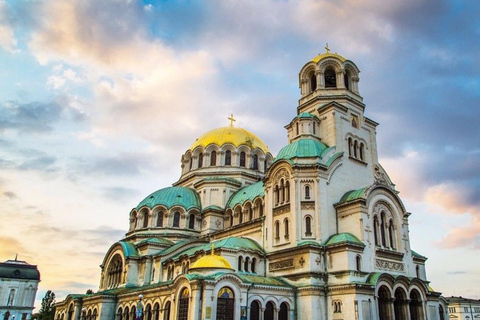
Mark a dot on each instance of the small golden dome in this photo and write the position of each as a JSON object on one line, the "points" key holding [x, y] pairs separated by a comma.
{"points": [[233, 135], [211, 261], [328, 55]]}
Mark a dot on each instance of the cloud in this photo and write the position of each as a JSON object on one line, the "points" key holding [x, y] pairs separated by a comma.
{"points": [[8, 41], [10, 246], [10, 195]]}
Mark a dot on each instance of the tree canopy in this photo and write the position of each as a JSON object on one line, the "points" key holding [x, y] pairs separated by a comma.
{"points": [[47, 310]]}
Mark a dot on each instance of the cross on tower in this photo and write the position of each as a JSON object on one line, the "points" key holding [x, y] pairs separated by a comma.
{"points": [[327, 48], [231, 120]]}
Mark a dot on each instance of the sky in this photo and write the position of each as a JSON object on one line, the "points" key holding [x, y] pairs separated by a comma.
{"points": [[100, 99]]}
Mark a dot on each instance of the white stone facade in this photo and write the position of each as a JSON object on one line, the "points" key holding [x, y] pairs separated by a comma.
{"points": [[318, 232], [18, 287]]}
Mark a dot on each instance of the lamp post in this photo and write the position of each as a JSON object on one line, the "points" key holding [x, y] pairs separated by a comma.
{"points": [[139, 311]]}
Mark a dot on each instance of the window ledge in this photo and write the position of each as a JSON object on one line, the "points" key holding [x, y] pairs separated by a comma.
{"points": [[358, 160]]}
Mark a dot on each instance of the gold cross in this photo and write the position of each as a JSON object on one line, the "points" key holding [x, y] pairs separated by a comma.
{"points": [[231, 120], [326, 48], [213, 249]]}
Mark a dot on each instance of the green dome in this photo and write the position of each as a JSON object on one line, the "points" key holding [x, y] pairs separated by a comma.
{"points": [[302, 148], [246, 193], [172, 196]]}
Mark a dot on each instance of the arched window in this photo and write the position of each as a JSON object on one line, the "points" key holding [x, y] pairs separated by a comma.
{"points": [[277, 195], [255, 162], [307, 192], [254, 263], [200, 160], [375, 230], [346, 80], [160, 219], [287, 191], [350, 147], [190, 164], [313, 82], [391, 234], [416, 306], [400, 304], [231, 220], [355, 147], [250, 214], [286, 227], [148, 312], [441, 312], [225, 304], [133, 220], [213, 158], [156, 311], [297, 127], [166, 311], [308, 226], [228, 158], [358, 263], [314, 126], [126, 313], [145, 219], [240, 216], [260, 209], [183, 304], [360, 150], [133, 312], [70, 312], [277, 230], [114, 271], [417, 271], [119, 314], [282, 191], [382, 229], [176, 220], [242, 159], [330, 78], [384, 300], [246, 264], [240, 263], [191, 222]]}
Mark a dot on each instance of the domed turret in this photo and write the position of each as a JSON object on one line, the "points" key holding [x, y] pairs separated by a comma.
{"points": [[211, 262]]}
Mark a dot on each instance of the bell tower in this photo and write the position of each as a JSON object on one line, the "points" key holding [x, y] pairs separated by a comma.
{"points": [[329, 90]]}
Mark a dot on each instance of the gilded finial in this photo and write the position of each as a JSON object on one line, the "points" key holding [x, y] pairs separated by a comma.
{"points": [[327, 48], [231, 120], [213, 249]]}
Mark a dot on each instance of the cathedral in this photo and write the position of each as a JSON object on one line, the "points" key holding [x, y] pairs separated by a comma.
{"points": [[316, 232]]}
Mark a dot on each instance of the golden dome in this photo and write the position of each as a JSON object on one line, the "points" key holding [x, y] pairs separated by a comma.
{"points": [[328, 55], [211, 261], [233, 135]]}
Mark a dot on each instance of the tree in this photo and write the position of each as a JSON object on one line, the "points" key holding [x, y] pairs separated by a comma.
{"points": [[89, 291], [47, 310]]}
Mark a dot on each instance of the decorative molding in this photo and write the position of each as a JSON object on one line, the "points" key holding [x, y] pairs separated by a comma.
{"points": [[281, 209], [280, 265], [389, 265], [307, 205]]}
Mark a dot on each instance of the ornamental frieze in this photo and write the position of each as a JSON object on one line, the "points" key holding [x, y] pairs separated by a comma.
{"points": [[279, 265], [281, 209], [389, 265]]}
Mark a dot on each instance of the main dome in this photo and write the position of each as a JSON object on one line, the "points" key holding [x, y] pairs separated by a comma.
{"points": [[233, 135]]}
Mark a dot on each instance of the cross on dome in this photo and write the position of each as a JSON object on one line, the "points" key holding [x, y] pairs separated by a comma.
{"points": [[327, 48], [232, 120]]}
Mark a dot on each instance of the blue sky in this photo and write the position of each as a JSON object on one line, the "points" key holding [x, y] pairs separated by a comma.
{"points": [[99, 100]]}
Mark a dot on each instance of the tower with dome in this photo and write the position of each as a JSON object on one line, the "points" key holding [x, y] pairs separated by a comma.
{"points": [[316, 232]]}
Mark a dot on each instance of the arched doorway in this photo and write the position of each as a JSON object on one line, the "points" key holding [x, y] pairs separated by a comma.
{"points": [[384, 303], [442, 312], [400, 305], [225, 304], [283, 313], [416, 307], [269, 311], [183, 304], [255, 310]]}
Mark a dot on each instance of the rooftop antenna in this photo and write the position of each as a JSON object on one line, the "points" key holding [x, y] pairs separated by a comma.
{"points": [[16, 255]]}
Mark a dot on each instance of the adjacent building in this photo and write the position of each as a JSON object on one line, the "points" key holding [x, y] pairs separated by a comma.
{"points": [[316, 232], [18, 287], [463, 308]]}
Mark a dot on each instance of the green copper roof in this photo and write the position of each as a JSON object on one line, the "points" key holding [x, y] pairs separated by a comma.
{"points": [[255, 279], [417, 255], [302, 148], [161, 241], [247, 193], [353, 195], [171, 196], [343, 238], [227, 243], [129, 249], [309, 242], [307, 115], [174, 247]]}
